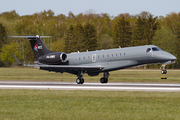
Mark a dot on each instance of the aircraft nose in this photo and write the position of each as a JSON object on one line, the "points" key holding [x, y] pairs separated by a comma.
{"points": [[173, 57], [166, 56]]}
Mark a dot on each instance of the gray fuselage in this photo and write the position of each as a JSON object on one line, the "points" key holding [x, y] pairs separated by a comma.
{"points": [[114, 59]]}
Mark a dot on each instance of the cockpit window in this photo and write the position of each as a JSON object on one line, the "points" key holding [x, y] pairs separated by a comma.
{"points": [[148, 50], [156, 49]]}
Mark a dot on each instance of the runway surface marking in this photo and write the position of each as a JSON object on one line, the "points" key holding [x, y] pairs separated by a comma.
{"points": [[158, 87], [86, 87]]}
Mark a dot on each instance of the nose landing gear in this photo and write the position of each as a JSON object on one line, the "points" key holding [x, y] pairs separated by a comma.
{"points": [[163, 71], [80, 79]]}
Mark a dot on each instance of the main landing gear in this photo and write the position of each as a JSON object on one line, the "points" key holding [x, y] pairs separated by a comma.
{"points": [[105, 78], [80, 79]]}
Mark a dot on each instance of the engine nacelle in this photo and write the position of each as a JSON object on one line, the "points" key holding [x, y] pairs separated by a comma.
{"points": [[54, 58]]}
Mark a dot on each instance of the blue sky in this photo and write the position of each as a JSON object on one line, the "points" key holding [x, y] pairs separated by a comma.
{"points": [[112, 7]]}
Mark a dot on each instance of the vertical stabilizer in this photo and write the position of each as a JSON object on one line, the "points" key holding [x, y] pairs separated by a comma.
{"points": [[37, 44], [38, 47]]}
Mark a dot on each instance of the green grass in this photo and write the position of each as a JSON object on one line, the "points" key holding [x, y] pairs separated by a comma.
{"points": [[31, 74], [88, 105]]}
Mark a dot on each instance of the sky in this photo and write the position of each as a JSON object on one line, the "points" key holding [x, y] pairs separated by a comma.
{"points": [[112, 7]]}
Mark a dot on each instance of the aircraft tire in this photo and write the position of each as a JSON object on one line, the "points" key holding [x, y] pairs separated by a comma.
{"points": [[106, 80], [80, 80], [102, 80], [163, 71]]}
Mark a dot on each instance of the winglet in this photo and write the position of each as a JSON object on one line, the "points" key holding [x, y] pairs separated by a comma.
{"points": [[18, 62]]}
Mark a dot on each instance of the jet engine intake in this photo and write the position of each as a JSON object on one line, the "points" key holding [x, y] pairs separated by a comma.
{"points": [[63, 57]]}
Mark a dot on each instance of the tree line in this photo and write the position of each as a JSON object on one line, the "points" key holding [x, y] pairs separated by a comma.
{"points": [[88, 31]]}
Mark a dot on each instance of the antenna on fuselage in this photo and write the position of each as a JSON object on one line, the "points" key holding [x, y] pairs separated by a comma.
{"points": [[119, 46], [77, 51], [86, 50]]}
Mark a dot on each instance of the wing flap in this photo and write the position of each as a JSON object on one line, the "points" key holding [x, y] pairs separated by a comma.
{"points": [[72, 67]]}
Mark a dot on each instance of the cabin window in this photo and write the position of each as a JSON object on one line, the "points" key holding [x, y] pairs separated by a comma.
{"points": [[116, 54], [119, 54], [112, 55], [124, 54], [98, 56], [107, 55], [156, 49], [148, 50], [79, 58], [103, 56], [84, 58]]}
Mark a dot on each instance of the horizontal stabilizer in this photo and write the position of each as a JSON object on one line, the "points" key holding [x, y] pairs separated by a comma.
{"points": [[29, 36], [18, 62]]}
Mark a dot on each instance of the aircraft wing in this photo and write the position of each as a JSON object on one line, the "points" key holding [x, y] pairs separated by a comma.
{"points": [[78, 67], [70, 67]]}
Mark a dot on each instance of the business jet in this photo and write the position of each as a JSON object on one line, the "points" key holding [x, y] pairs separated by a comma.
{"points": [[95, 62]]}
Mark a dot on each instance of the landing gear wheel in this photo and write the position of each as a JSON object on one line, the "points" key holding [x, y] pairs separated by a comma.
{"points": [[103, 80], [163, 71], [82, 80], [79, 80], [106, 80]]}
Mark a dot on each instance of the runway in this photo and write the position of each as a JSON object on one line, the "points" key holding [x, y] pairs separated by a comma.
{"points": [[153, 87]]}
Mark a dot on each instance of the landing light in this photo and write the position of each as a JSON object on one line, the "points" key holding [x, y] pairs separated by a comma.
{"points": [[172, 61]]}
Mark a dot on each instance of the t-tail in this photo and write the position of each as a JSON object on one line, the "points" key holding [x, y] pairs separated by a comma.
{"points": [[37, 45], [42, 53]]}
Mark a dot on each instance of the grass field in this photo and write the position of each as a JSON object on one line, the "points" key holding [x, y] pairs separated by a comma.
{"points": [[31, 74], [88, 105]]}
